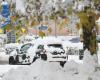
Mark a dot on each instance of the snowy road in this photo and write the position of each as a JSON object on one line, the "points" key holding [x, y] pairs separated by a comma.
{"points": [[3, 62], [5, 68]]}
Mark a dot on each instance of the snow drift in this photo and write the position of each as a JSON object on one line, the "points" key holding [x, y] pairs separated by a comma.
{"points": [[43, 70]]}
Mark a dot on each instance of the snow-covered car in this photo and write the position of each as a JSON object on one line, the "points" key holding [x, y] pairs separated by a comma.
{"points": [[40, 52], [24, 55], [55, 52]]}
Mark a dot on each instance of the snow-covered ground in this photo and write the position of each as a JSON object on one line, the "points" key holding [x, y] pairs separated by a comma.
{"points": [[5, 68]]}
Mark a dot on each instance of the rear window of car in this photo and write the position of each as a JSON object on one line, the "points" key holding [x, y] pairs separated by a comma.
{"points": [[55, 45]]}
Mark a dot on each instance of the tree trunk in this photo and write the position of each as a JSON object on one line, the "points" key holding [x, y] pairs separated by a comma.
{"points": [[87, 20], [89, 35]]}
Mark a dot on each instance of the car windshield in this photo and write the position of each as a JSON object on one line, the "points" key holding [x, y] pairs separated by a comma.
{"points": [[25, 47], [55, 45]]}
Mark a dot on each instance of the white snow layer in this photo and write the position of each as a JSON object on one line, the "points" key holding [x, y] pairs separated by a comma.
{"points": [[43, 70]]}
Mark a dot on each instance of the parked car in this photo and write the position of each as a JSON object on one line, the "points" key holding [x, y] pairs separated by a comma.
{"points": [[24, 55], [40, 52]]}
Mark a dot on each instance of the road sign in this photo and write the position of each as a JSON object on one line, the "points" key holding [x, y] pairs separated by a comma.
{"points": [[42, 27], [5, 11]]}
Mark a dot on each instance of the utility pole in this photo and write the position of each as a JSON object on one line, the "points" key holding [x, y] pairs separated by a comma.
{"points": [[55, 26]]}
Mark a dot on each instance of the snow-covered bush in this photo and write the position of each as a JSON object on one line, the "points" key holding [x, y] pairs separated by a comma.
{"points": [[89, 63], [38, 70]]}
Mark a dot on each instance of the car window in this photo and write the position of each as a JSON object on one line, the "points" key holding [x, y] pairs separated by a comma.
{"points": [[26, 47], [41, 47], [55, 45]]}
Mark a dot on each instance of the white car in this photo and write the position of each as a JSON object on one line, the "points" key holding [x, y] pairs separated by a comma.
{"points": [[24, 55], [55, 52]]}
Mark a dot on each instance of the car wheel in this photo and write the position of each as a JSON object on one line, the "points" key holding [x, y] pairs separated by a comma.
{"points": [[62, 63], [11, 60], [44, 57]]}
